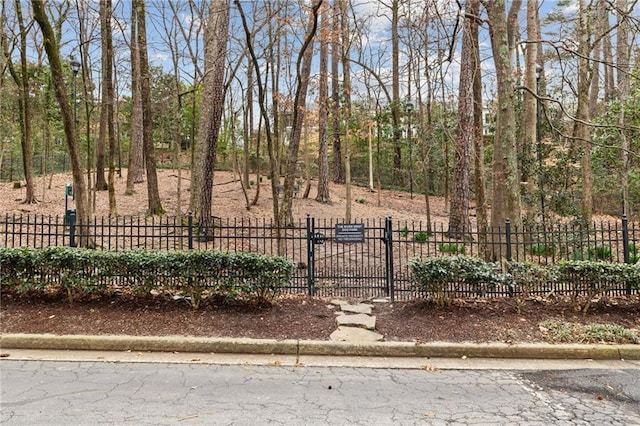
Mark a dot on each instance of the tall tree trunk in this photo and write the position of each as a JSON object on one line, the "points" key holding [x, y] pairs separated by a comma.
{"points": [[323, 195], [60, 89], [346, 95], [105, 12], [506, 202], [607, 53], [459, 222], [216, 37], [581, 129], [153, 195], [596, 55], [135, 172], [247, 129], [264, 113], [299, 107], [395, 90], [24, 107], [479, 183], [338, 172], [529, 105], [107, 136], [622, 56]]}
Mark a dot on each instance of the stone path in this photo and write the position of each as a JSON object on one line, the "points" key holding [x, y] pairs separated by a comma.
{"points": [[356, 323]]}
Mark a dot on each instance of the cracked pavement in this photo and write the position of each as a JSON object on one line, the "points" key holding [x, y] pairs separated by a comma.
{"points": [[90, 392]]}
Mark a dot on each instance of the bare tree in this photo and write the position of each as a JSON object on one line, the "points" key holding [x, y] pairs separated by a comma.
{"points": [[303, 66], [262, 102]]}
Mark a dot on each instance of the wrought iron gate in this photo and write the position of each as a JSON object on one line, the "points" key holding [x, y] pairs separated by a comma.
{"points": [[350, 260]]}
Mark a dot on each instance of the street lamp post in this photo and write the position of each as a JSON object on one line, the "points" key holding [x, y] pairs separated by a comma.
{"points": [[409, 108], [539, 142], [75, 67]]}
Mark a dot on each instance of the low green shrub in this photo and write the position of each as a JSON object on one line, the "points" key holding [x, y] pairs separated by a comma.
{"points": [[593, 279], [193, 274], [20, 269], [445, 278]]}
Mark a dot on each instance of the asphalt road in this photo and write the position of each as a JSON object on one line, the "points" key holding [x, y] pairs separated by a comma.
{"points": [[91, 393]]}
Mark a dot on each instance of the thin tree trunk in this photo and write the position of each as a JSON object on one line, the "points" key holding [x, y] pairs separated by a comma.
{"points": [[622, 56], [24, 107], [607, 54], [60, 88], [153, 195], [338, 172], [264, 113], [105, 12], [299, 107], [107, 136], [136, 158], [346, 94], [395, 83], [323, 195]]}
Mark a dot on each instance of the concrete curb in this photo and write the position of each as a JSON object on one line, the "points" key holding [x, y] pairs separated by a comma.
{"points": [[318, 348]]}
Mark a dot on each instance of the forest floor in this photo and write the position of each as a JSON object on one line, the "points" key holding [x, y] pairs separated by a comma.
{"points": [[292, 316]]}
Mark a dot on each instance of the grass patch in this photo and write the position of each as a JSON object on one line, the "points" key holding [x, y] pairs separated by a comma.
{"points": [[453, 248], [562, 332], [420, 237]]}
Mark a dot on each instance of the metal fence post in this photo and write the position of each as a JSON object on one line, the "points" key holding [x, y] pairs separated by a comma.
{"points": [[507, 231], [72, 228], [310, 254], [190, 230], [625, 238], [388, 241], [625, 246]]}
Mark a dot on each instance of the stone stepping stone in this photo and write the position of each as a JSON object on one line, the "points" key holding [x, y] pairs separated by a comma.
{"points": [[355, 335], [360, 308], [359, 320]]}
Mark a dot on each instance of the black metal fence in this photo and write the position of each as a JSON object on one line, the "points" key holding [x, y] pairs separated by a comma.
{"points": [[364, 259]]}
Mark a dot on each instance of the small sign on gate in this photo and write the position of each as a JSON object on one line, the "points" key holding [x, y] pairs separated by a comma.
{"points": [[350, 232]]}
